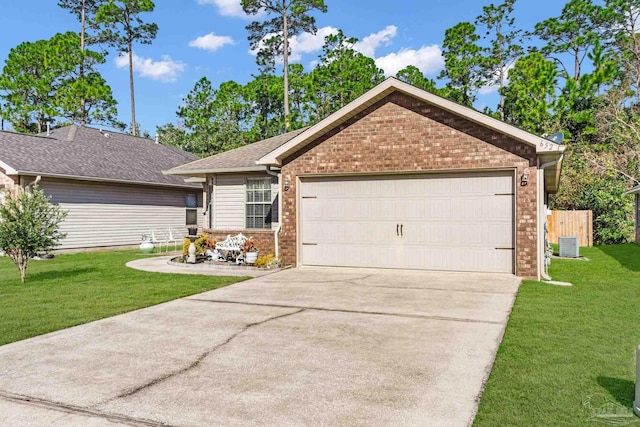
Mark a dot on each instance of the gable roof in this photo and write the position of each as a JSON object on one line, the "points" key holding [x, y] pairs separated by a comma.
{"points": [[634, 190], [79, 152], [275, 157], [242, 159]]}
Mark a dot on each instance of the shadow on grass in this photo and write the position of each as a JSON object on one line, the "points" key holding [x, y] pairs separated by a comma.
{"points": [[622, 391], [627, 255], [60, 274]]}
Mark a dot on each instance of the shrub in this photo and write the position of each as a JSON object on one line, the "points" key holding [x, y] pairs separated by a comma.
{"points": [[29, 224], [201, 243], [267, 261]]}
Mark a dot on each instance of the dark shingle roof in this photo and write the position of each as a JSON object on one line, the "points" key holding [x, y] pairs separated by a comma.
{"points": [[83, 152], [240, 158]]}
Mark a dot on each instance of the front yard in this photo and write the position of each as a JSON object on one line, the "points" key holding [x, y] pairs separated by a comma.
{"points": [[74, 289], [569, 352]]}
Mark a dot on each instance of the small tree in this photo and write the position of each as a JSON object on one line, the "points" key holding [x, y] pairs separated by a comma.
{"points": [[28, 225]]}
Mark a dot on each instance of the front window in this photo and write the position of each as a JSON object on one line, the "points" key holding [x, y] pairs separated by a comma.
{"points": [[192, 209], [258, 212]]}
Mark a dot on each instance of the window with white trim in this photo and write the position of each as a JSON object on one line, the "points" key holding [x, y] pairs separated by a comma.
{"points": [[258, 204], [192, 209]]}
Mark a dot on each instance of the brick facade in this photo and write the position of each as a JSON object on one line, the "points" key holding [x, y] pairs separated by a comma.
{"points": [[402, 134], [6, 182], [263, 240]]}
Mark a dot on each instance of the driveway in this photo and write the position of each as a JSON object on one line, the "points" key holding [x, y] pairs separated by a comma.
{"points": [[306, 346]]}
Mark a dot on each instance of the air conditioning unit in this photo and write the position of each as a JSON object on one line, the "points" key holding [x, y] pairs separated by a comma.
{"points": [[568, 247]]}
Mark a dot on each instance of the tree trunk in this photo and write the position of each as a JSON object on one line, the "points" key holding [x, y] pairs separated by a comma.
{"points": [[83, 102], [286, 64], [134, 127]]}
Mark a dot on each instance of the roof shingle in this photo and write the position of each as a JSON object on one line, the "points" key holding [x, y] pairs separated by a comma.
{"points": [[240, 158], [83, 152]]}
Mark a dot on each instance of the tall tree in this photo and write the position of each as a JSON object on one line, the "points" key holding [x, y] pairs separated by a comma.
{"points": [[412, 75], [85, 11], [464, 63], [574, 32], [505, 44], [120, 27], [622, 22], [41, 82], [290, 17], [342, 75], [531, 93]]}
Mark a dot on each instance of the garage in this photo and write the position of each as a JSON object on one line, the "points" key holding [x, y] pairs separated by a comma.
{"points": [[450, 222]]}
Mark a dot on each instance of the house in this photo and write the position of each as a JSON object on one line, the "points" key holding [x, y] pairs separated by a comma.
{"points": [[636, 191], [110, 183], [399, 178]]}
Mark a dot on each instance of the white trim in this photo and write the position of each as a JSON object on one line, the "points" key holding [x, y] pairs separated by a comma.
{"points": [[8, 169], [634, 190], [113, 180], [384, 89], [196, 172]]}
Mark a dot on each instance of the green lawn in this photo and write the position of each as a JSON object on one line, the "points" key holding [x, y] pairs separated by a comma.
{"points": [[568, 350], [74, 289]]}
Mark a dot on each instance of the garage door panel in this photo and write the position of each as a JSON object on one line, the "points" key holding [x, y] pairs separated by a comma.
{"points": [[450, 222]]}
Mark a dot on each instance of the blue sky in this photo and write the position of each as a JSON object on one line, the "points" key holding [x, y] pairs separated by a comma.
{"points": [[208, 38]]}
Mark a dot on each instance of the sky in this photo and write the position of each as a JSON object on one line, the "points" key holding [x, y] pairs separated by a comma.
{"points": [[198, 38]]}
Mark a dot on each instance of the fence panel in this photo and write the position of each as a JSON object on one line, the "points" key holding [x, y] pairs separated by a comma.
{"points": [[571, 223]]}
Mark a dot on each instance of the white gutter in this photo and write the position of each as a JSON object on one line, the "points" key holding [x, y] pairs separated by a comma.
{"points": [[541, 249], [8, 169], [276, 241], [96, 179]]}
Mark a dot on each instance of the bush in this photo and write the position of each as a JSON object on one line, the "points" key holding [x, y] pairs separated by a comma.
{"points": [[201, 243], [267, 261], [29, 224]]}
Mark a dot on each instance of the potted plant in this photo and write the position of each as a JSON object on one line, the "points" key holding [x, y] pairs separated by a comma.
{"points": [[146, 246], [250, 252]]}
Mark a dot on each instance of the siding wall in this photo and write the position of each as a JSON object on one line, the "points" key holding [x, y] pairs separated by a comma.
{"points": [[6, 183], [229, 198], [116, 215]]}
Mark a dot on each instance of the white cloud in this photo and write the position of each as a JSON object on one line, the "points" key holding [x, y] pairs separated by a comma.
{"points": [[308, 43], [211, 42], [370, 43], [166, 70], [428, 59], [230, 8]]}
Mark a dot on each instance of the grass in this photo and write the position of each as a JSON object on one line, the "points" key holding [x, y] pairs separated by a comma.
{"points": [[567, 351], [74, 289]]}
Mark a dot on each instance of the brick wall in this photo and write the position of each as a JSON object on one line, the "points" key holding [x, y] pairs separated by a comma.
{"points": [[263, 240], [401, 134], [6, 181]]}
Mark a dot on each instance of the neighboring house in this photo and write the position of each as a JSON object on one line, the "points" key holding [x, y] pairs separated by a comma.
{"points": [[399, 178], [110, 183], [636, 191]]}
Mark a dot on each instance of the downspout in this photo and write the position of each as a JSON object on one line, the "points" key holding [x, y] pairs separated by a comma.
{"points": [[544, 269], [277, 232]]}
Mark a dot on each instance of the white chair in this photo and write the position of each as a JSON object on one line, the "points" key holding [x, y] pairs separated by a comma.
{"points": [[176, 237], [160, 238]]}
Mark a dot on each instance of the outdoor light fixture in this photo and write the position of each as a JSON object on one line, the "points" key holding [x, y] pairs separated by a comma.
{"points": [[524, 179], [287, 183]]}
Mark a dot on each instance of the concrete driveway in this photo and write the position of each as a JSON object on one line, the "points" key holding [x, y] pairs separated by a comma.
{"points": [[306, 346]]}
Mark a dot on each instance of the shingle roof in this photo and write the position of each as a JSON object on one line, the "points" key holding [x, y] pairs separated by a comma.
{"points": [[83, 152], [241, 158]]}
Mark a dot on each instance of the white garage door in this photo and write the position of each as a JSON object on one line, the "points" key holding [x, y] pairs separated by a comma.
{"points": [[457, 222]]}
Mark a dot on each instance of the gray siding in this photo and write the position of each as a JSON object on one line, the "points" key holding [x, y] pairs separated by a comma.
{"points": [[102, 215], [229, 198]]}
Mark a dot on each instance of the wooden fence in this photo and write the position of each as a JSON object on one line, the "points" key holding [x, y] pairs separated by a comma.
{"points": [[571, 223]]}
